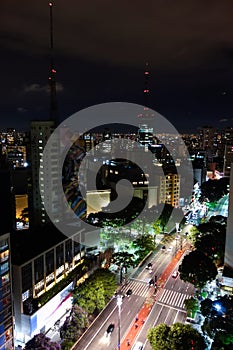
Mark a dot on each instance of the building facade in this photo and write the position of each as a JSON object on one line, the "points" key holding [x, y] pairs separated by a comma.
{"points": [[34, 277], [169, 192], [40, 133], [7, 224]]}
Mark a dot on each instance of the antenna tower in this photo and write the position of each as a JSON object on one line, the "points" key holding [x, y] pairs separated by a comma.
{"points": [[145, 115], [52, 73]]}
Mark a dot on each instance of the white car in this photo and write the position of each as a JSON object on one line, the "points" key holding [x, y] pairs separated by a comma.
{"points": [[137, 346], [169, 249], [175, 274]]}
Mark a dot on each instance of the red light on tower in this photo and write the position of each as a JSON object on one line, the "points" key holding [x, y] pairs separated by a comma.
{"points": [[50, 4]]}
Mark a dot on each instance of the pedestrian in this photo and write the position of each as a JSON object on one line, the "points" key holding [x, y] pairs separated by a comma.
{"points": [[143, 321], [136, 319], [128, 342], [136, 325]]}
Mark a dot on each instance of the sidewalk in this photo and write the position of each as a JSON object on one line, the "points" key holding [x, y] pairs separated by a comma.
{"points": [[147, 306]]}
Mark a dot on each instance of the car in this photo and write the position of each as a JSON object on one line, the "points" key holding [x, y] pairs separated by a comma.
{"points": [[149, 266], [129, 292], [110, 329], [169, 249], [175, 274], [163, 247], [190, 320], [137, 346]]}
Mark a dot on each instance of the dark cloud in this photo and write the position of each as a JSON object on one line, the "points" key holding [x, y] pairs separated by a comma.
{"points": [[168, 32], [100, 49], [35, 87]]}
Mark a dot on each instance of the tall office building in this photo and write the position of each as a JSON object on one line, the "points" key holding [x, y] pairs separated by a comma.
{"points": [[228, 151], [7, 224], [228, 258], [198, 159], [40, 133], [227, 280], [206, 138], [170, 189]]}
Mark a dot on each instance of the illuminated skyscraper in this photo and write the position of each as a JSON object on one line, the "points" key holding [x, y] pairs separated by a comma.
{"points": [[7, 223]]}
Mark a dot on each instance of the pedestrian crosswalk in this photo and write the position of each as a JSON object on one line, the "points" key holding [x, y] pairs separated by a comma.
{"points": [[138, 287], [164, 296], [171, 297]]}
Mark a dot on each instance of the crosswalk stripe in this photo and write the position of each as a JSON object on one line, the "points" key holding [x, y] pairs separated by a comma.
{"points": [[182, 298], [138, 288], [178, 299], [163, 295], [174, 298]]}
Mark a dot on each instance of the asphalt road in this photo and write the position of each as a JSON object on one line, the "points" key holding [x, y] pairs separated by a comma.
{"points": [[96, 337], [169, 307]]}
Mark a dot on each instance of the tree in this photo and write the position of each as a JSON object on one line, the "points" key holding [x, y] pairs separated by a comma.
{"points": [[108, 281], [106, 257], [211, 240], [40, 341], [191, 305], [74, 325], [123, 259], [197, 268], [158, 337], [206, 307], [143, 245], [93, 294], [184, 336], [218, 322], [176, 337], [213, 190]]}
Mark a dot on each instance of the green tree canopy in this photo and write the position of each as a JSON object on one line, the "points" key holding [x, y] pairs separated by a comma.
{"points": [[123, 259], [191, 304], [158, 337], [176, 337], [93, 294], [143, 245], [218, 322], [74, 325], [197, 268], [211, 240], [40, 341], [213, 190]]}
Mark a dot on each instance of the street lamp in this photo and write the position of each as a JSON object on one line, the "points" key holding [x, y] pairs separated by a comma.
{"points": [[119, 303]]}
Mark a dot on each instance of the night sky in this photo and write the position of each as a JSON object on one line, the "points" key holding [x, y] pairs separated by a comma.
{"points": [[100, 51]]}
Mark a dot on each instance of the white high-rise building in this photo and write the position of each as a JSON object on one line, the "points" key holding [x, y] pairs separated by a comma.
{"points": [[227, 281], [40, 133]]}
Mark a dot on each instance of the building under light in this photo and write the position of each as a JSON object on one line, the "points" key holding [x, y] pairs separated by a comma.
{"points": [[40, 133], [34, 275], [227, 281], [7, 224], [170, 189]]}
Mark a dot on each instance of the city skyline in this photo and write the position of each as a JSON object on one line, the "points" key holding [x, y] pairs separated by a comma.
{"points": [[100, 53]]}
